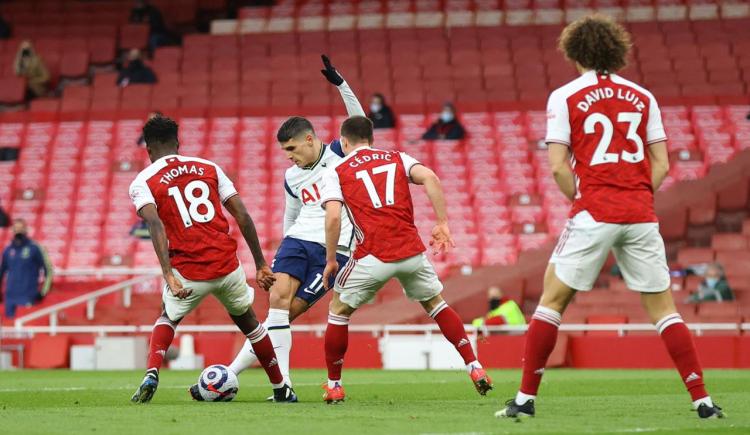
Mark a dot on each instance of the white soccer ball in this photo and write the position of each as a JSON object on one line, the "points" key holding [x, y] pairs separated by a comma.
{"points": [[218, 384]]}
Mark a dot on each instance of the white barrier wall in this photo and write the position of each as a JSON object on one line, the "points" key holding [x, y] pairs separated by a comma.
{"points": [[420, 352], [121, 353]]}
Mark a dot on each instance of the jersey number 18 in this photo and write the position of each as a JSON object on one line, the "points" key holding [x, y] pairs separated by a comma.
{"points": [[191, 213]]}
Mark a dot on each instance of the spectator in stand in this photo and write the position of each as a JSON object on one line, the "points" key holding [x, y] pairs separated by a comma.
{"points": [[4, 28], [145, 13], [135, 71], [381, 114], [714, 288], [502, 311], [447, 127], [29, 65], [23, 260]]}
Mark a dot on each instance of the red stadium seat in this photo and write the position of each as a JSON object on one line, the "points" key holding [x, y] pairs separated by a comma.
{"points": [[101, 50], [690, 256], [12, 90], [729, 242], [74, 65], [48, 352], [133, 36]]}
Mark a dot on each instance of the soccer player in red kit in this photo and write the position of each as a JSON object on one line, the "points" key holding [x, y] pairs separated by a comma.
{"points": [[608, 153], [180, 199], [373, 186]]}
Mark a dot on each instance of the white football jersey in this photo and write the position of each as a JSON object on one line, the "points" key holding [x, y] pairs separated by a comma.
{"points": [[304, 218]]}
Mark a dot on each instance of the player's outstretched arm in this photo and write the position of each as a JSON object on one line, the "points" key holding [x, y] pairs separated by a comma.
{"points": [[441, 235], [659, 158], [159, 238], [353, 107], [559, 159], [237, 209], [333, 231]]}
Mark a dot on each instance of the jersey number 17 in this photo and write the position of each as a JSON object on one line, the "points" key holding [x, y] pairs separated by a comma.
{"points": [[390, 180]]}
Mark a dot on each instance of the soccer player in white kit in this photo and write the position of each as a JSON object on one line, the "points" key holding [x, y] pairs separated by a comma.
{"points": [[608, 153], [300, 259]]}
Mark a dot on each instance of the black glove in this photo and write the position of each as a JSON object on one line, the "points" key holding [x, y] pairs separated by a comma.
{"points": [[330, 72]]}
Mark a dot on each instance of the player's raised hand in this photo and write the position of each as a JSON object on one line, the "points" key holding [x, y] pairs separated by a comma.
{"points": [[441, 239], [265, 277], [330, 72], [175, 286], [329, 273]]}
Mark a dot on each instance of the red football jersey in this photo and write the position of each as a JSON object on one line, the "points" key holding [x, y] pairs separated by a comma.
{"points": [[608, 122], [188, 193], [373, 184]]}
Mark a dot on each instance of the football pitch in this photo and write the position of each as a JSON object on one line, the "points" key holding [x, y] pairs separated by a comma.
{"points": [[378, 402]]}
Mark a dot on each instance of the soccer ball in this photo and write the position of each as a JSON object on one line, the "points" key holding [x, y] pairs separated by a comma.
{"points": [[218, 384]]}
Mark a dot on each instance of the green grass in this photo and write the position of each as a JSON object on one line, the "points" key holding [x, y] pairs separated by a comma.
{"points": [[378, 402]]}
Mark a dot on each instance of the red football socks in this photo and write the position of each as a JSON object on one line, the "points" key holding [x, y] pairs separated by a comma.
{"points": [[453, 330], [540, 341], [679, 343], [161, 337], [263, 348], [336, 342]]}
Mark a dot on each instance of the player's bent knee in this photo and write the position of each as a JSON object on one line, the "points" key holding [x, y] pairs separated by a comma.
{"points": [[431, 303], [282, 292], [279, 300], [556, 295], [340, 308]]}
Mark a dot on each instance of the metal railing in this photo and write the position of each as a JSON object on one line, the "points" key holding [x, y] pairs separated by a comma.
{"points": [[375, 330], [100, 272], [90, 299]]}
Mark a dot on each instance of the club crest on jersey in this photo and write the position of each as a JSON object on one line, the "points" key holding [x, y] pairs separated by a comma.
{"points": [[310, 196]]}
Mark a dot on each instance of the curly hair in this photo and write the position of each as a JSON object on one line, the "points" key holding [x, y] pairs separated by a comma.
{"points": [[596, 42], [160, 129]]}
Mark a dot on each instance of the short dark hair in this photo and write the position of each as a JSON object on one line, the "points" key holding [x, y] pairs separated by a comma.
{"points": [[160, 129], [596, 42], [357, 129], [293, 127]]}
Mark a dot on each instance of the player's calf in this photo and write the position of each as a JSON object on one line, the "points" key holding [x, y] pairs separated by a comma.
{"points": [[453, 330]]}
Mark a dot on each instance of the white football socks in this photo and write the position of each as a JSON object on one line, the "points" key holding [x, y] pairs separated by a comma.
{"points": [[277, 324], [707, 400], [522, 398], [244, 359], [332, 384], [472, 365]]}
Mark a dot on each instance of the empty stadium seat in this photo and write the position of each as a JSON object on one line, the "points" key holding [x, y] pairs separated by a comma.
{"points": [[12, 90]]}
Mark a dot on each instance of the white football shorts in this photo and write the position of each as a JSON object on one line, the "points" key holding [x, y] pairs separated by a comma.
{"points": [[359, 281], [584, 245], [231, 290]]}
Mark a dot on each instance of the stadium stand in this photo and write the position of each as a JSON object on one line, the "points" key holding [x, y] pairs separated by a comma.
{"points": [[231, 91]]}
